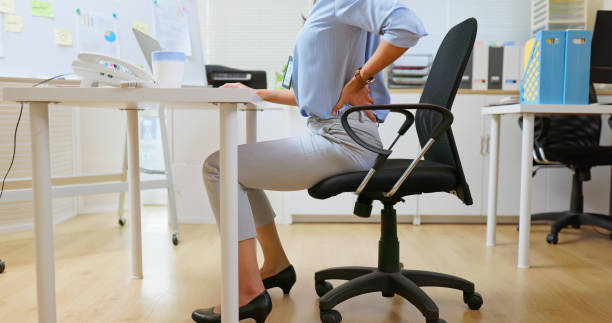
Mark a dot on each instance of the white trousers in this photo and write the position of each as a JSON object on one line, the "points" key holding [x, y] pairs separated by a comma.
{"points": [[291, 164]]}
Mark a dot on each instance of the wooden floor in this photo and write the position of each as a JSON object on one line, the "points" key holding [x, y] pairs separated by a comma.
{"points": [[570, 282]]}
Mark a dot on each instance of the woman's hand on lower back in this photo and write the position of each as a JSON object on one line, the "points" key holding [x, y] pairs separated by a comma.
{"points": [[355, 94]]}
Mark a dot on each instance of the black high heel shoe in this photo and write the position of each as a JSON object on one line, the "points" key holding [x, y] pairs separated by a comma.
{"points": [[285, 280], [258, 309]]}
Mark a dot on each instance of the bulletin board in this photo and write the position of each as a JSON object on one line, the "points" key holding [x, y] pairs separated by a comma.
{"points": [[41, 38]]}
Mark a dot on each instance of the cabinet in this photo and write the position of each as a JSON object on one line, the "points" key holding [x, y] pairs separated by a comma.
{"points": [[551, 186], [558, 14]]}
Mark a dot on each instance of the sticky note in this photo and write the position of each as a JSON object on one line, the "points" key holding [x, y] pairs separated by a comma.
{"points": [[7, 6], [63, 37], [141, 26], [41, 8], [13, 24]]}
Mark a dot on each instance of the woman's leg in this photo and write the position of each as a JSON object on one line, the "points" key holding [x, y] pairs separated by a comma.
{"points": [[275, 259], [283, 165], [249, 280]]}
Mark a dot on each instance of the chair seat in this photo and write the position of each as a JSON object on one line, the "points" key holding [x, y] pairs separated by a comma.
{"points": [[581, 156], [428, 177]]}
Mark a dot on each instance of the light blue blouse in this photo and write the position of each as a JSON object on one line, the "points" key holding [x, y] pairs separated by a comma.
{"points": [[338, 37]]}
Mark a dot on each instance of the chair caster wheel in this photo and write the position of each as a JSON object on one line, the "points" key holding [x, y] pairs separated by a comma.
{"points": [[473, 300], [1, 266], [121, 221], [552, 238], [322, 288], [175, 239], [436, 321], [331, 316]]}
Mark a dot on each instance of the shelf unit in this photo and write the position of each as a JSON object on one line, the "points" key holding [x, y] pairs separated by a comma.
{"points": [[558, 14]]}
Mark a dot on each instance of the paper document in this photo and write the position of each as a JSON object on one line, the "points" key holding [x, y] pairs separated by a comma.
{"points": [[1, 36], [98, 33], [13, 23], [7, 6], [172, 27]]}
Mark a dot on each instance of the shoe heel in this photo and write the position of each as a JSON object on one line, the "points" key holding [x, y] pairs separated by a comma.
{"points": [[260, 316], [287, 287]]}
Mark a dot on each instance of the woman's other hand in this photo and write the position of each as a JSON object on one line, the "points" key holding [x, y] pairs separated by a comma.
{"points": [[257, 98], [355, 94], [235, 86]]}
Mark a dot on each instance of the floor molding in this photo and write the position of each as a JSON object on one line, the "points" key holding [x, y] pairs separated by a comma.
{"points": [[441, 219], [30, 225]]}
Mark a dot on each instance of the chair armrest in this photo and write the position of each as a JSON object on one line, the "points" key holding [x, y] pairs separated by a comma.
{"points": [[447, 120], [442, 127]]}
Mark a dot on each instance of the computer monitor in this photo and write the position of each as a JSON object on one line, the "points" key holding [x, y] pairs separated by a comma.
{"points": [[147, 44], [601, 48], [601, 51]]}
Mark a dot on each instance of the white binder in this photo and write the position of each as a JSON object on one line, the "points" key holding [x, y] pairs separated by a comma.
{"points": [[512, 66], [480, 74]]}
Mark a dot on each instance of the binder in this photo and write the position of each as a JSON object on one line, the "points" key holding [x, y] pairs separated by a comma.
{"points": [[523, 64], [466, 80], [543, 81], [496, 61], [577, 67], [480, 67], [512, 67]]}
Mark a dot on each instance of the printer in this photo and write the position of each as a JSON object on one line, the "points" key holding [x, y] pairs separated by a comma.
{"points": [[218, 75]]}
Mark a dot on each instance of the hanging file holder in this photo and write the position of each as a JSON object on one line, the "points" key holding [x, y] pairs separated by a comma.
{"points": [[577, 67], [543, 80]]}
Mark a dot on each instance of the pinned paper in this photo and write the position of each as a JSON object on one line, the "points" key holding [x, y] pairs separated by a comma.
{"points": [[1, 37], [172, 27], [63, 37], [98, 33], [7, 6], [41, 8], [13, 23], [141, 26]]}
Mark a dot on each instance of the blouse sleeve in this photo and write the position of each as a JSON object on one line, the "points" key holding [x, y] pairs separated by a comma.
{"points": [[398, 25]]}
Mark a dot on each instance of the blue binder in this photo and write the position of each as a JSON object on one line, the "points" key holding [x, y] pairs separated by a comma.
{"points": [[577, 67], [543, 80]]}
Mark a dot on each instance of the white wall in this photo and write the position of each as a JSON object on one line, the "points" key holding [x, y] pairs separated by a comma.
{"points": [[260, 35]]}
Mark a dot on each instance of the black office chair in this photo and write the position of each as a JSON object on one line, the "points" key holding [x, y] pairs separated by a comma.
{"points": [[573, 142], [391, 179]]}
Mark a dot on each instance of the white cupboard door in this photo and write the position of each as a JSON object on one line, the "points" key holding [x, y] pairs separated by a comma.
{"points": [[468, 131]]}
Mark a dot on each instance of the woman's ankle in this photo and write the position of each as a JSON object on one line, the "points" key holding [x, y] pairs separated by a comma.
{"points": [[270, 269], [246, 295]]}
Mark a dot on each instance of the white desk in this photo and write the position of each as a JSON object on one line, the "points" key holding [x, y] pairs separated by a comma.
{"points": [[226, 100], [528, 112]]}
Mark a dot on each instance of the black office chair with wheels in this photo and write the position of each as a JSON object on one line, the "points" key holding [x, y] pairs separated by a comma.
{"points": [[391, 179], [573, 142]]}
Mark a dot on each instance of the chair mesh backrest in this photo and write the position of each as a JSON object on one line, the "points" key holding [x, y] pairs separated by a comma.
{"points": [[568, 131], [444, 79]]}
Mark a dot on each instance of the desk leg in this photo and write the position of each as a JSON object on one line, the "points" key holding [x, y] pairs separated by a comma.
{"points": [[493, 176], [525, 208], [229, 213], [134, 185], [172, 214], [43, 219], [251, 126]]}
